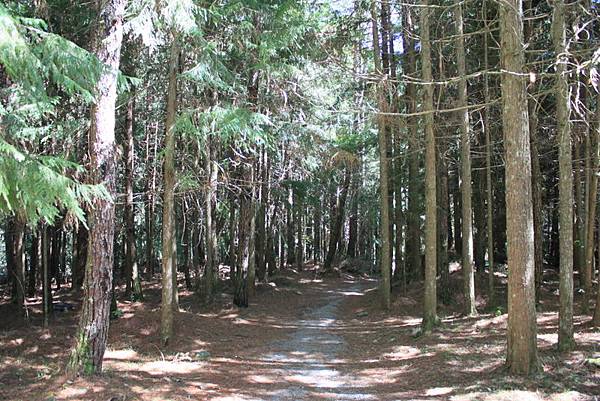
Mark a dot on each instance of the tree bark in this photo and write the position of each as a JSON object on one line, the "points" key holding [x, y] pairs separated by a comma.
{"points": [[46, 283], [318, 222], [92, 333], [186, 246], [522, 327], [443, 268], [488, 170], [132, 277], [299, 210], [465, 172], [261, 216], [442, 217], [337, 216], [34, 257], [588, 267], [244, 251], [563, 113], [151, 147], [18, 238], [80, 248], [384, 175], [413, 218], [9, 248], [430, 318], [55, 254], [232, 237], [210, 269], [592, 203], [536, 175], [169, 245]]}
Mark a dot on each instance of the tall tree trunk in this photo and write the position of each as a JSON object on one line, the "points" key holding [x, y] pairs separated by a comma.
{"points": [[299, 206], [413, 218], [317, 231], [588, 267], [384, 175], [536, 185], [522, 327], [55, 254], [169, 245], [151, 147], [536, 175], [337, 217], [186, 246], [9, 247], [488, 168], [92, 333], [443, 268], [442, 217], [563, 114], [80, 247], [19, 258], [210, 269], [457, 212], [592, 203], [232, 237], [251, 281], [353, 218], [580, 205], [261, 216], [46, 283], [290, 220], [132, 277], [34, 257], [430, 298], [465, 172], [244, 251]]}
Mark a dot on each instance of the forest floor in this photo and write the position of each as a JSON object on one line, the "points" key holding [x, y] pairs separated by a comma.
{"points": [[302, 338]]}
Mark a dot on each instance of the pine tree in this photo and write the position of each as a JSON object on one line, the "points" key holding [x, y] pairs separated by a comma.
{"points": [[522, 327], [430, 318], [92, 333], [565, 331], [169, 250]]}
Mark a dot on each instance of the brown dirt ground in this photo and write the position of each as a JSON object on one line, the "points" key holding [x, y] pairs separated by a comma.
{"points": [[462, 360]]}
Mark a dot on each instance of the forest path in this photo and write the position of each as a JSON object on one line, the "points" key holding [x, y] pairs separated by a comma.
{"points": [[311, 358]]}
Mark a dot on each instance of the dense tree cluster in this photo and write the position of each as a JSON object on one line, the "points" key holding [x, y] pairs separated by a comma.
{"points": [[225, 141]]}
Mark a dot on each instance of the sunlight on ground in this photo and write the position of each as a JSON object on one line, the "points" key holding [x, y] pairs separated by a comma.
{"points": [[518, 396], [351, 293], [261, 379], [159, 368], [121, 354], [402, 352], [439, 391]]}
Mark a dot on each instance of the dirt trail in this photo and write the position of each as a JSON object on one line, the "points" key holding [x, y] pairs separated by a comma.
{"points": [[300, 339], [311, 354]]}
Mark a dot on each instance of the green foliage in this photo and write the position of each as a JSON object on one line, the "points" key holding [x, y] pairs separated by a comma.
{"points": [[44, 69], [117, 313], [231, 125], [209, 71], [36, 188], [31, 56]]}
